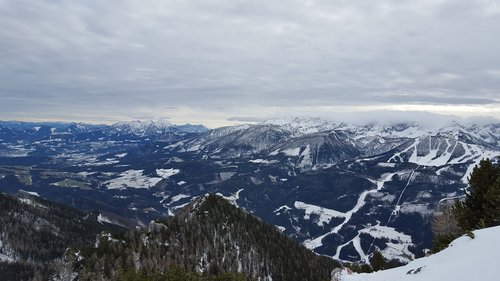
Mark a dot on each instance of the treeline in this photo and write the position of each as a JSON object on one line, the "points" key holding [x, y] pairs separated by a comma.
{"points": [[212, 238]]}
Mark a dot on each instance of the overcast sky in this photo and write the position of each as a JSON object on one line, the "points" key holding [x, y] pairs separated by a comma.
{"points": [[223, 61]]}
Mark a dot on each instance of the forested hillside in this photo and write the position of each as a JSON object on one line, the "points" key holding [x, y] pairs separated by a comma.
{"points": [[35, 232], [209, 237]]}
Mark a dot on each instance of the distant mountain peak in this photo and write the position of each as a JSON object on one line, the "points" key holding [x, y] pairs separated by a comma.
{"points": [[159, 126]]}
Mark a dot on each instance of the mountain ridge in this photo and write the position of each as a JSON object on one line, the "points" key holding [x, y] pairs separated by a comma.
{"points": [[352, 187]]}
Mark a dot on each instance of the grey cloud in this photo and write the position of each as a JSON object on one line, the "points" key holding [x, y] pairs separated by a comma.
{"points": [[107, 58], [246, 119]]}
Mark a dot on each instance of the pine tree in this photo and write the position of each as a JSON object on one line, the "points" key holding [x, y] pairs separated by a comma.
{"points": [[481, 203], [491, 205], [378, 261]]}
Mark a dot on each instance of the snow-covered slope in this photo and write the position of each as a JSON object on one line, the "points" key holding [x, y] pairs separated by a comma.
{"points": [[314, 142], [466, 259]]}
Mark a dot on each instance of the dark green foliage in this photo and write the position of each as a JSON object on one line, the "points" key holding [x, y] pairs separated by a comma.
{"points": [[482, 203], [480, 209], [492, 205], [441, 241], [210, 236], [40, 230], [176, 274], [359, 267], [19, 271], [378, 261]]}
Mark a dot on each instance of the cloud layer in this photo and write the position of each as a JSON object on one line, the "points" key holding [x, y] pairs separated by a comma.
{"points": [[210, 60]]}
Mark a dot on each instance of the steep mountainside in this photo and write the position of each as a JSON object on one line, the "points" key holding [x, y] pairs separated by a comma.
{"points": [[209, 236]]}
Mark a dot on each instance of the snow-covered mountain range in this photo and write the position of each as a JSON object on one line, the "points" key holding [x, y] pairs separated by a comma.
{"points": [[342, 189], [137, 129], [315, 142]]}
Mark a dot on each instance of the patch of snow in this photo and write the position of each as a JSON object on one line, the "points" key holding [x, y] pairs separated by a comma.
{"points": [[263, 161], [86, 174], [465, 259], [224, 176], [283, 208], [386, 165], [378, 231], [233, 197], [30, 202], [274, 153], [193, 148], [102, 163], [181, 183], [325, 215], [273, 179], [181, 206], [306, 158], [30, 192], [292, 151], [167, 173], [102, 219], [132, 179], [5, 258], [422, 209], [178, 197]]}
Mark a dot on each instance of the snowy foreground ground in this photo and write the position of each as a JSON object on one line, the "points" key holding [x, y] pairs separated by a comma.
{"points": [[465, 259]]}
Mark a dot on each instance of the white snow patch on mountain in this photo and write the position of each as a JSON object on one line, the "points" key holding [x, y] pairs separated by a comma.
{"points": [[103, 219], [102, 163], [464, 260], [281, 228], [167, 173], [324, 215], [422, 209], [283, 208], [263, 161], [31, 202], [193, 148], [378, 231], [306, 159], [132, 179], [386, 165], [400, 249], [30, 192], [232, 198], [292, 151], [5, 258], [178, 197]]}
